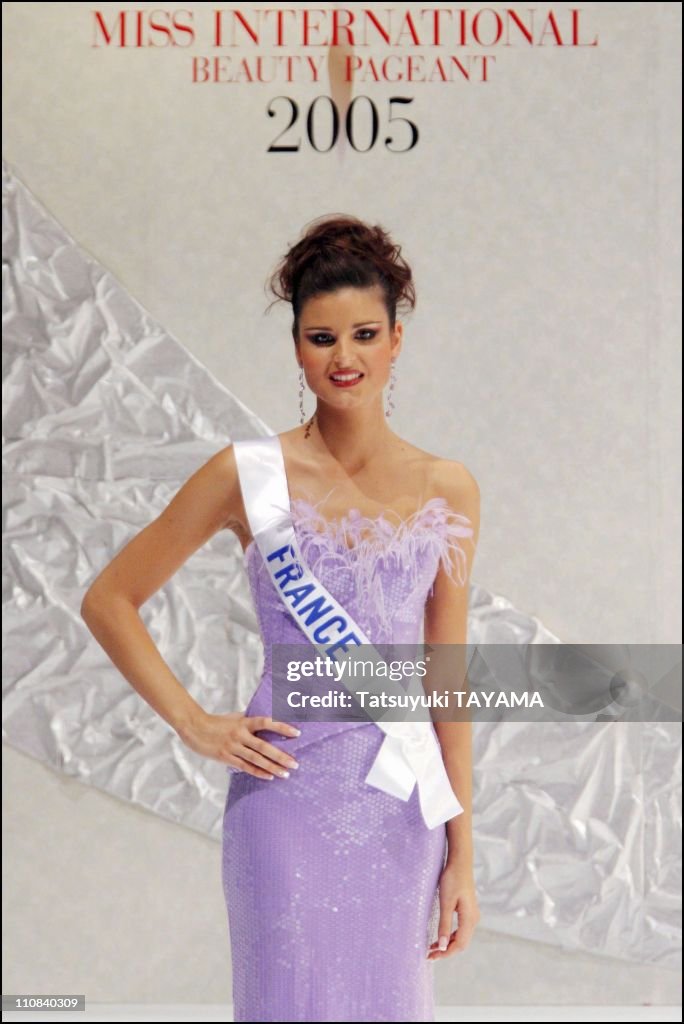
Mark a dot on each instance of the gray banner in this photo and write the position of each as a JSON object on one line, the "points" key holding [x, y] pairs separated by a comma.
{"points": [[479, 682]]}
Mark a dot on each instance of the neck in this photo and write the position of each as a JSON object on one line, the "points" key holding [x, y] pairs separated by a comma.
{"points": [[352, 437]]}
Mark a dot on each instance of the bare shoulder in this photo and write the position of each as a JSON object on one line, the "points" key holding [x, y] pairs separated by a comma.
{"points": [[455, 478], [450, 478], [218, 483], [446, 478], [222, 466], [455, 482]]}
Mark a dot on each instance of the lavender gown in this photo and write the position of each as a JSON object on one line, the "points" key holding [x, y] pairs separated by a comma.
{"points": [[330, 884]]}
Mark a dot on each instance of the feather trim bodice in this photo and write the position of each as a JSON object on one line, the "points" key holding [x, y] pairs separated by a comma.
{"points": [[382, 568]]}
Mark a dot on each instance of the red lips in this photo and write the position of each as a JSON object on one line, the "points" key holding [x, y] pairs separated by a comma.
{"points": [[347, 383]]}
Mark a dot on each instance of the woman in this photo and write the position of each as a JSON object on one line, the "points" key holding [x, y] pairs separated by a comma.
{"points": [[339, 896]]}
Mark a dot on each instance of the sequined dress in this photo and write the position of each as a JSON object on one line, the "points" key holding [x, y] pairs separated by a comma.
{"points": [[331, 884]]}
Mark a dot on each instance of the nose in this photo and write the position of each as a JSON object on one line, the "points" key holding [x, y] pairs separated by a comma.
{"points": [[343, 353]]}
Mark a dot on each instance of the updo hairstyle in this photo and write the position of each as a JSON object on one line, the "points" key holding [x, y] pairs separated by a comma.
{"points": [[338, 251]]}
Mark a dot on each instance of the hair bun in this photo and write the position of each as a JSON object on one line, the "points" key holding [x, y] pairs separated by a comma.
{"points": [[339, 251]]}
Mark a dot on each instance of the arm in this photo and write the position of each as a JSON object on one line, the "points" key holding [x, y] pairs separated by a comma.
{"points": [[446, 622], [208, 501]]}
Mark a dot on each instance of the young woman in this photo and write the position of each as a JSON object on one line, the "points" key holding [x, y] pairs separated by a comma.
{"points": [[340, 896]]}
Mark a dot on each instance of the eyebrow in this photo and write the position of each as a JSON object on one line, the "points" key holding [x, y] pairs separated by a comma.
{"points": [[364, 323]]}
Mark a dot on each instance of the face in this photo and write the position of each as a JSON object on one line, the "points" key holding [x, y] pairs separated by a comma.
{"points": [[347, 330]]}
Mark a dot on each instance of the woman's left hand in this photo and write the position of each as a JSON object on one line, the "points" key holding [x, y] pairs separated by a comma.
{"points": [[456, 893]]}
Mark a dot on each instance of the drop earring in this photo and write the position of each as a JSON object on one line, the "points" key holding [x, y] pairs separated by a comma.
{"points": [[302, 414], [393, 378]]}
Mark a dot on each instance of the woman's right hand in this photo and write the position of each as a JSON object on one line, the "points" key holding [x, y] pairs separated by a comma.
{"points": [[231, 738]]}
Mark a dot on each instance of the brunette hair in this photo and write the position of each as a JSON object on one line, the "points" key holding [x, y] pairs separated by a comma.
{"points": [[338, 251]]}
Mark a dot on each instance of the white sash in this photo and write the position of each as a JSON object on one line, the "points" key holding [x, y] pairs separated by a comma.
{"points": [[410, 752]]}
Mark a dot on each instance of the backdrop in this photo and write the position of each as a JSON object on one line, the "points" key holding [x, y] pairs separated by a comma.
{"points": [[144, 208]]}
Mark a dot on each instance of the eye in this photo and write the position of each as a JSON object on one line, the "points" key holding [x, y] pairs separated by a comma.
{"points": [[321, 338]]}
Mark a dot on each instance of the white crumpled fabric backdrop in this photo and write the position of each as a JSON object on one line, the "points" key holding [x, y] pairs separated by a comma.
{"points": [[105, 415]]}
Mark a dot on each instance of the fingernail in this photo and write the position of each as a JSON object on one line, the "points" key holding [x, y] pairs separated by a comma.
{"points": [[296, 732], [284, 774], [294, 764], [443, 943]]}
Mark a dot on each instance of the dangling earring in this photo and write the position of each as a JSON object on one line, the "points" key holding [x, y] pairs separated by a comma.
{"points": [[393, 378], [302, 414]]}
